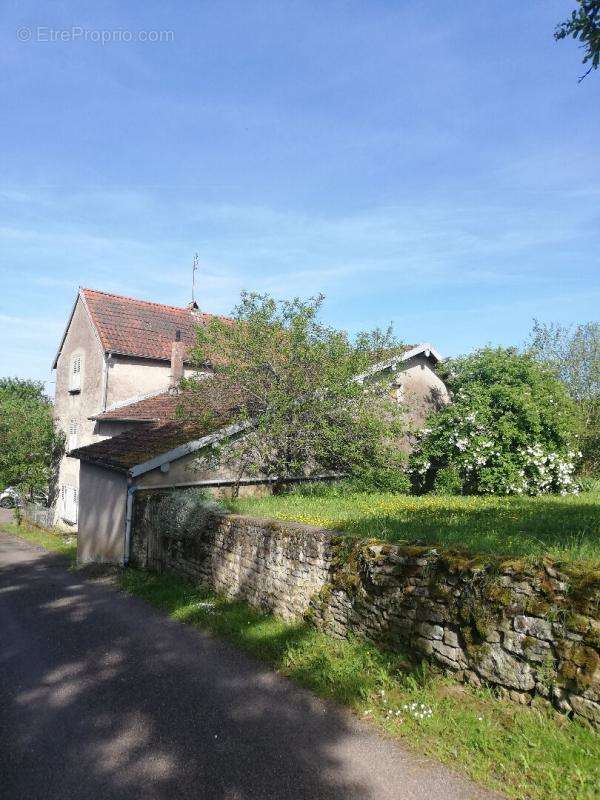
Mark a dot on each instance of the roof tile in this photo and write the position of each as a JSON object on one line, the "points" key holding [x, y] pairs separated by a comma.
{"points": [[140, 328], [160, 408]]}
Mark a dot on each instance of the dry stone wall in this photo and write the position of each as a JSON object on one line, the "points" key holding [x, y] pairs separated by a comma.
{"points": [[276, 568], [531, 631]]}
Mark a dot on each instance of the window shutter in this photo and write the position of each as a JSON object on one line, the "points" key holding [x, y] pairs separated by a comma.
{"points": [[75, 376], [69, 503], [72, 434]]}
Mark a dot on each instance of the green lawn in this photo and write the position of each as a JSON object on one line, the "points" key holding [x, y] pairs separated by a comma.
{"points": [[564, 527]]}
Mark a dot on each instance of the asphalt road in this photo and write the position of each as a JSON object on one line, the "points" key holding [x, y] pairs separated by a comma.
{"points": [[103, 697]]}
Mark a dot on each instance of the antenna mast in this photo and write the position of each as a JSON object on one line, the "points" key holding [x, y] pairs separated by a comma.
{"points": [[194, 268]]}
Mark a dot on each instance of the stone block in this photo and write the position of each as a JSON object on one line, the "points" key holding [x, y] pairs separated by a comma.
{"points": [[424, 645], [451, 638], [533, 626], [585, 708], [533, 649], [430, 631], [452, 655], [498, 666]]}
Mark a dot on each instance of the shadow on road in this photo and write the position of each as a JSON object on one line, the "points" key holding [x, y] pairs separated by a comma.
{"points": [[101, 697]]}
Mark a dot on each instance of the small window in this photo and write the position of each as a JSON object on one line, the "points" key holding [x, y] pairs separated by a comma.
{"points": [[75, 375], [72, 443]]}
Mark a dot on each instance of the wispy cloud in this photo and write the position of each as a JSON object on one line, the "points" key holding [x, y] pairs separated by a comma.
{"points": [[381, 259]]}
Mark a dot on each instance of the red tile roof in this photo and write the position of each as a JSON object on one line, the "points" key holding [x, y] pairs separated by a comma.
{"points": [[159, 408], [134, 447], [139, 328], [144, 442]]}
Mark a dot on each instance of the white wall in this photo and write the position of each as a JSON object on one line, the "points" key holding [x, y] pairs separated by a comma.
{"points": [[80, 340], [421, 389], [130, 377], [102, 512]]}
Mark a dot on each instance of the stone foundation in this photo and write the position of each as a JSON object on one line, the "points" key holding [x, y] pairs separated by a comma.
{"points": [[531, 631]]}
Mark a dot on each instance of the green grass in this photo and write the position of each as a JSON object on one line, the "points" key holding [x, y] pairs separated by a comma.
{"points": [[57, 542], [566, 528], [525, 753]]}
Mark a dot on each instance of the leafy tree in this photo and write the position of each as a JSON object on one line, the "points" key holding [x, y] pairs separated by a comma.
{"points": [[278, 366], [573, 355], [30, 444], [509, 430], [584, 25]]}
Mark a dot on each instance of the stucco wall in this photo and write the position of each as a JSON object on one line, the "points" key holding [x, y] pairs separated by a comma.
{"points": [[190, 469], [102, 511], [130, 377], [421, 389], [81, 340], [532, 631]]}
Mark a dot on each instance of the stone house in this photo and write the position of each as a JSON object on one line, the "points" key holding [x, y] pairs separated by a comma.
{"points": [[117, 367], [114, 351]]}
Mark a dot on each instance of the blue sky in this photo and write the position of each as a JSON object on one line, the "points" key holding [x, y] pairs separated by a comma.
{"points": [[431, 163]]}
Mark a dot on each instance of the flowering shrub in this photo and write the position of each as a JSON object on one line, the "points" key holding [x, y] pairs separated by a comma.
{"points": [[509, 430]]}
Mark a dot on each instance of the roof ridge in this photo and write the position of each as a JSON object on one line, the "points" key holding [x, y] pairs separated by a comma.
{"points": [[149, 302]]}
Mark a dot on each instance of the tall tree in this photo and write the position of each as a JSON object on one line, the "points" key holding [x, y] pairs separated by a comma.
{"points": [[573, 355], [584, 25], [295, 379], [30, 444]]}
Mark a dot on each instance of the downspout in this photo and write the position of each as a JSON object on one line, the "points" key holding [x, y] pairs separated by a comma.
{"points": [[128, 520], [105, 367]]}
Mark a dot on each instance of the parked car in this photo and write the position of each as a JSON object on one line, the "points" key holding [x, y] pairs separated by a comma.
{"points": [[11, 498]]}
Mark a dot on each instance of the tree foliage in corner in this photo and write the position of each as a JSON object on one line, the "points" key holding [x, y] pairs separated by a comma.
{"points": [[573, 355], [30, 444], [510, 429], [294, 378], [584, 25]]}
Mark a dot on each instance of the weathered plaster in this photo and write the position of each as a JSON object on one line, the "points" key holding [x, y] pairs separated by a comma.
{"points": [[129, 377], [102, 508], [80, 339]]}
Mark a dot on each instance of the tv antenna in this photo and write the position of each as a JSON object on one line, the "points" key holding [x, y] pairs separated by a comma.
{"points": [[194, 268]]}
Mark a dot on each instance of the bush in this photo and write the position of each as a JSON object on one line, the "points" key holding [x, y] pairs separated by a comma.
{"points": [[509, 430], [179, 511], [381, 479]]}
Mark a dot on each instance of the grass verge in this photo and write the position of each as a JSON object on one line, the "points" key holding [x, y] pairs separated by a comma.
{"points": [[565, 528], [524, 753], [58, 542]]}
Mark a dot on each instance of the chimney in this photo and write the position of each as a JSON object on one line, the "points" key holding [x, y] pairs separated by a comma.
{"points": [[177, 350]]}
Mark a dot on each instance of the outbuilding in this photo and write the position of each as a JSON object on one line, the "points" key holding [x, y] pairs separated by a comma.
{"points": [[161, 451]]}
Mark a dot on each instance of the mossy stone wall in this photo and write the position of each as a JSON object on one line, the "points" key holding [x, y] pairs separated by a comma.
{"points": [[532, 631]]}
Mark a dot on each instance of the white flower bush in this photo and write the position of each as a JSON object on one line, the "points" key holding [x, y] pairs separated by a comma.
{"points": [[508, 431]]}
